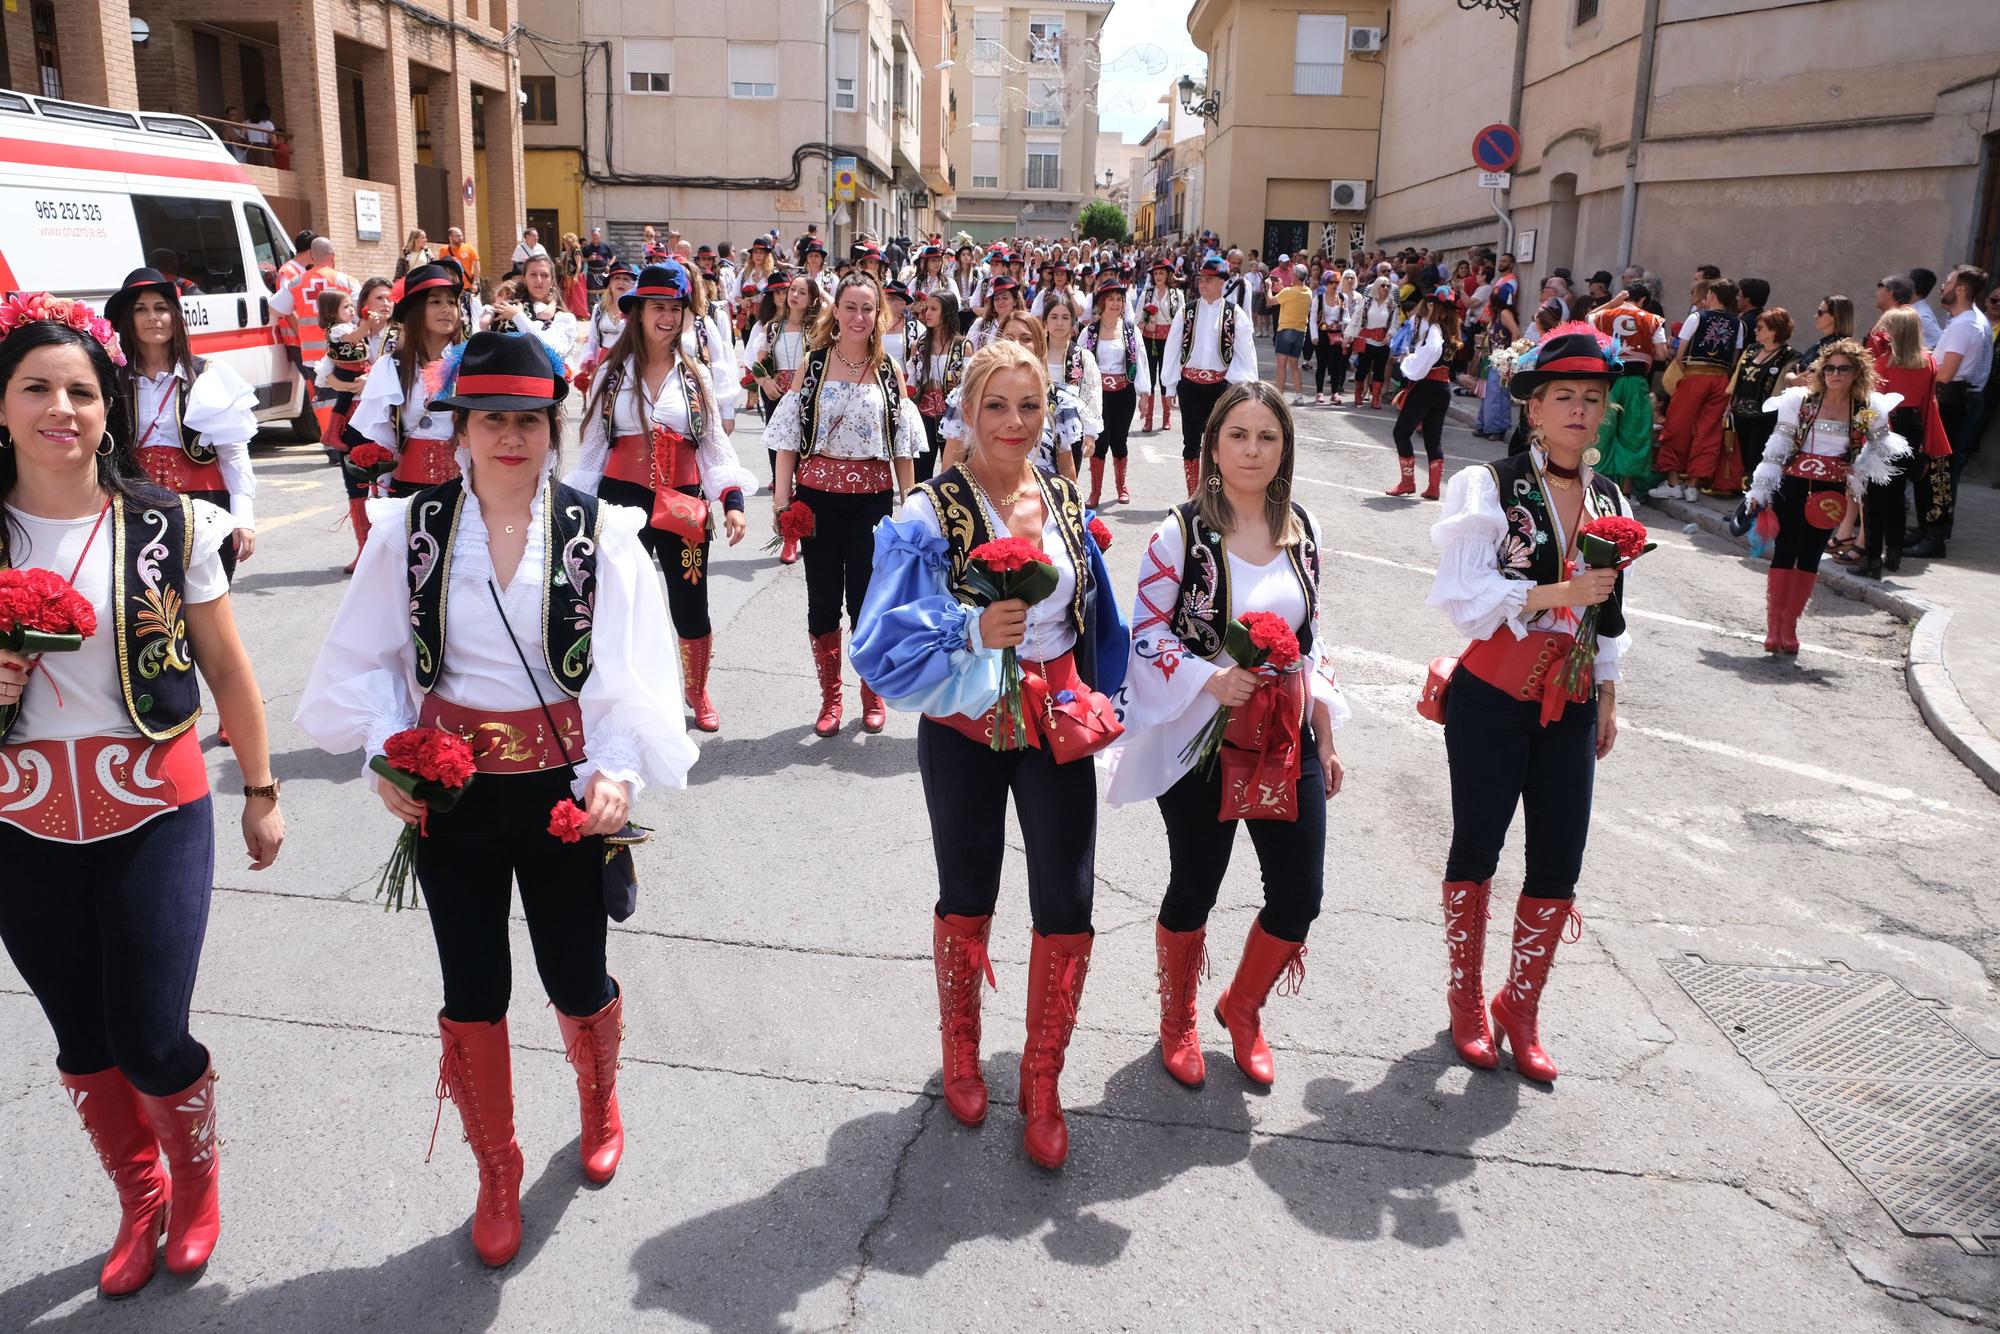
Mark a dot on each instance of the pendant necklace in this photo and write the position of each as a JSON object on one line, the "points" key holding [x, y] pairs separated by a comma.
{"points": [[851, 365]]}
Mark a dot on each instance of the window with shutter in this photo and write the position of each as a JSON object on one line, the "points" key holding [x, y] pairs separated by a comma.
{"points": [[753, 69], [1321, 52]]}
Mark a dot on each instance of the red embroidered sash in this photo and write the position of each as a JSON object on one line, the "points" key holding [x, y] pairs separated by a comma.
{"points": [[509, 743], [98, 787], [170, 467]]}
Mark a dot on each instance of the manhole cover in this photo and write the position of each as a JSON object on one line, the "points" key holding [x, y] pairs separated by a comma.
{"points": [[1905, 1101]]}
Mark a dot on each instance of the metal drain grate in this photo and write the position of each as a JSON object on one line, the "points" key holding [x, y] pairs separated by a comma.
{"points": [[1905, 1101]]}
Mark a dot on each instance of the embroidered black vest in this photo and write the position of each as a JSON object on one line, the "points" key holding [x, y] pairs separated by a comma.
{"points": [[151, 548], [1202, 608], [570, 534], [1532, 549], [954, 360], [812, 383], [963, 521], [1225, 329], [1093, 338], [614, 382], [191, 444], [1073, 365]]}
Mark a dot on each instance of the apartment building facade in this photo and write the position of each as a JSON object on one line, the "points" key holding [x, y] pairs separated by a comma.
{"points": [[1024, 78]]}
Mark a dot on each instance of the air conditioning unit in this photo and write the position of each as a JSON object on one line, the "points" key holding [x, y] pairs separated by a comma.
{"points": [[1364, 41], [1349, 196]]}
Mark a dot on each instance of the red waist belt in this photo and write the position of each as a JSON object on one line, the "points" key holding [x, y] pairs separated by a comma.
{"points": [[848, 477], [1528, 668], [1070, 728], [1374, 335], [169, 466], [1195, 376], [1439, 373], [509, 743], [98, 787], [1817, 467], [426, 462], [1114, 383], [632, 460]]}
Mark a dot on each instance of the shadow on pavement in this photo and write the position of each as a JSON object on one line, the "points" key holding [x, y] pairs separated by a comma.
{"points": [[258, 581], [1752, 663], [879, 756], [437, 1285]]}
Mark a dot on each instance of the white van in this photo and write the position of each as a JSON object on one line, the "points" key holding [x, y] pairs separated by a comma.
{"points": [[87, 194]]}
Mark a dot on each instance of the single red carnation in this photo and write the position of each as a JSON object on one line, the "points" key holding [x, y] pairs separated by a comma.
{"points": [[796, 520], [1006, 554], [1100, 533], [1270, 632], [431, 754], [1629, 535], [566, 821]]}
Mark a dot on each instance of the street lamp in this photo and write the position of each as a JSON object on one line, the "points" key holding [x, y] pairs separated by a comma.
{"points": [[1197, 101]]}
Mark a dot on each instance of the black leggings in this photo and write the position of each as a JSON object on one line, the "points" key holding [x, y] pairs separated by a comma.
{"points": [[1290, 855], [1424, 404], [1799, 545], [1885, 508], [1502, 757], [1197, 402], [467, 865], [926, 463], [965, 788], [1156, 353], [1330, 365], [840, 554], [1372, 364], [683, 563], [108, 936], [1119, 405]]}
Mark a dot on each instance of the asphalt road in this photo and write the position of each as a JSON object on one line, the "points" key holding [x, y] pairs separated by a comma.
{"points": [[789, 1166]]}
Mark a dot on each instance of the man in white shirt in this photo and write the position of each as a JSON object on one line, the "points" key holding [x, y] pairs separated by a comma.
{"points": [[1922, 282], [1964, 364], [530, 246], [1210, 347]]}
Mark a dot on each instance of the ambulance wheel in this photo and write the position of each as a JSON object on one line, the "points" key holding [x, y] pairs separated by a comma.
{"points": [[305, 426]]}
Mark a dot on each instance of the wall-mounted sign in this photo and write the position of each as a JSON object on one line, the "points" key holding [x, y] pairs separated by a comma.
{"points": [[1524, 246], [368, 215]]}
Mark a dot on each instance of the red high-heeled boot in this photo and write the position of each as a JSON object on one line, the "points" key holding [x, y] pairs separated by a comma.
{"points": [[826, 662], [109, 1108], [1191, 469], [1180, 956], [184, 1123], [958, 950], [1096, 480], [1265, 959], [592, 1044], [1118, 472], [1465, 993], [1056, 969], [696, 655], [874, 713], [477, 1074], [1538, 924], [1436, 477]]}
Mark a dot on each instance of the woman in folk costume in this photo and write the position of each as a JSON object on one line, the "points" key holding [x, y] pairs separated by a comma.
{"points": [[935, 368], [1113, 340], [1003, 299], [900, 329], [847, 437], [352, 349], [1833, 441], [786, 316], [931, 276], [1074, 365], [107, 824], [1062, 423], [1242, 545], [1426, 370], [1159, 305], [543, 313], [1059, 284], [607, 321], [524, 617], [394, 408], [1515, 737], [192, 419], [928, 644], [758, 273], [705, 338], [653, 440]]}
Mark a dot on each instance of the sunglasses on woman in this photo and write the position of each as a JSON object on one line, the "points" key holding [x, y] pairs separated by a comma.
{"points": [[1837, 368]]}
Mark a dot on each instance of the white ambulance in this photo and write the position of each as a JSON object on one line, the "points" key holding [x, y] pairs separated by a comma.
{"points": [[88, 193]]}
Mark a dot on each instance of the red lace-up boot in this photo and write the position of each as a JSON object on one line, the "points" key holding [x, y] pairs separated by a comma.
{"points": [[695, 657], [1191, 469], [1406, 484], [184, 1123], [1465, 994], [1056, 969], [357, 513], [826, 661], [1181, 956], [874, 713], [1436, 478], [958, 949], [1096, 480], [1265, 960], [1118, 471], [592, 1045], [477, 1074], [1166, 414], [1146, 408], [1538, 924], [126, 1146]]}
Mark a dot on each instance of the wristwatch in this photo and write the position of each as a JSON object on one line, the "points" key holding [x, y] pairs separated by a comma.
{"points": [[268, 790]]}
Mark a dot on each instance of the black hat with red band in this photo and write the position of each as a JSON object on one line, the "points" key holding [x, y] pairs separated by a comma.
{"points": [[1572, 351], [420, 282], [658, 282], [137, 283], [505, 372]]}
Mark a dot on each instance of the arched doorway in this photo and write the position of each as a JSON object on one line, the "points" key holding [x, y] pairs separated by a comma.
{"points": [[1561, 252]]}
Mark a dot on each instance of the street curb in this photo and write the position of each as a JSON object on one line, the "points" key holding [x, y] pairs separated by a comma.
{"points": [[1926, 670]]}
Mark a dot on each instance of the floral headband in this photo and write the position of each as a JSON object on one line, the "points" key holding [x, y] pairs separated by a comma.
{"points": [[30, 307]]}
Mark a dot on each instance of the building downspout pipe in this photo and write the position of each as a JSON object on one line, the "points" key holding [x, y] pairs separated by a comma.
{"points": [[1642, 99], [1503, 199]]}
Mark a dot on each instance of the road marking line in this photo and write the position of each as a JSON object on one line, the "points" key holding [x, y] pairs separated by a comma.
{"points": [[266, 525], [292, 484]]}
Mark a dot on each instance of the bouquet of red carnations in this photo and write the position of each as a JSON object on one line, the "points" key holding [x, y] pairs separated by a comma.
{"points": [[1613, 541], [1004, 570], [41, 613], [425, 764], [795, 523], [1254, 640], [365, 463]]}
